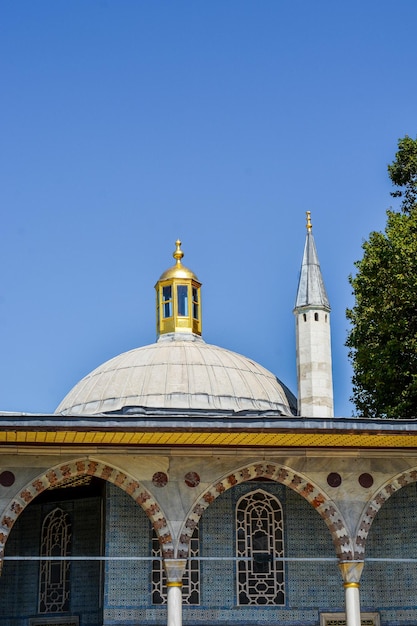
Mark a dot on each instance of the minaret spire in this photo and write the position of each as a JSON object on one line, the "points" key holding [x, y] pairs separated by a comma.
{"points": [[311, 290], [314, 359]]}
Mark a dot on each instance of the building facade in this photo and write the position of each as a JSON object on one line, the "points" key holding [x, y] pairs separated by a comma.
{"points": [[180, 483]]}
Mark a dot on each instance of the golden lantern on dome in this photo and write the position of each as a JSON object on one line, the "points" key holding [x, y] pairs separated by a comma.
{"points": [[178, 299]]}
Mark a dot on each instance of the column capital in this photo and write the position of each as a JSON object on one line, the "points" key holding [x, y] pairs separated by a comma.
{"points": [[174, 569], [351, 572]]}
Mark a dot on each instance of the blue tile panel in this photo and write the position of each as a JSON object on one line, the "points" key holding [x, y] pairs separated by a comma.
{"points": [[127, 597], [127, 587], [305, 534], [392, 587], [311, 587]]}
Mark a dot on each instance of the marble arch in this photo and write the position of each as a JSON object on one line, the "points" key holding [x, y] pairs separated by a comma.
{"points": [[372, 507], [90, 467], [325, 507]]}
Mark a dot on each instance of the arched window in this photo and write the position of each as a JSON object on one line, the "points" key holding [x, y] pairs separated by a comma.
{"points": [[54, 575], [191, 578], [260, 546], [316, 317]]}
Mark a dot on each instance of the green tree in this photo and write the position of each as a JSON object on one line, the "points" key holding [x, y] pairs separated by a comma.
{"points": [[382, 341], [403, 173]]}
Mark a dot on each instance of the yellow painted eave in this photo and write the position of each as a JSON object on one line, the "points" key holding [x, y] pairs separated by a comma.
{"points": [[221, 438]]}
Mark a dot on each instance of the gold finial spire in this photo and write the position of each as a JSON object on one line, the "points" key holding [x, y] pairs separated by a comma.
{"points": [[309, 224], [178, 254]]}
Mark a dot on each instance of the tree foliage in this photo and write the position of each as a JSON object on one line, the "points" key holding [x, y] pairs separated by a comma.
{"points": [[403, 173], [383, 337]]}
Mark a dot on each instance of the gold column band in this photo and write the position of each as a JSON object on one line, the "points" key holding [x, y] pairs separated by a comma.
{"points": [[351, 585], [174, 584]]}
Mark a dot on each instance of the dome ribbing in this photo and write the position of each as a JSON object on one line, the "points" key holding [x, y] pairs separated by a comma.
{"points": [[179, 375]]}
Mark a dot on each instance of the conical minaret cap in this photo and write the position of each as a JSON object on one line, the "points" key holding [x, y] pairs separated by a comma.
{"points": [[311, 290]]}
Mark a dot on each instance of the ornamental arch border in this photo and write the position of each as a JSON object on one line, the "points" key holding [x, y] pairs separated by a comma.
{"points": [[87, 466], [299, 483], [394, 484]]}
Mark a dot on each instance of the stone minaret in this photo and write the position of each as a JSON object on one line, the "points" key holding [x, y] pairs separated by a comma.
{"points": [[314, 355]]}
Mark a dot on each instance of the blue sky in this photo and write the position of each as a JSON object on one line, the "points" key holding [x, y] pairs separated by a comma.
{"points": [[127, 124]]}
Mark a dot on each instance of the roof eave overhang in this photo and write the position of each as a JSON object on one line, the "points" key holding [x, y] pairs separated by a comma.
{"points": [[232, 431]]}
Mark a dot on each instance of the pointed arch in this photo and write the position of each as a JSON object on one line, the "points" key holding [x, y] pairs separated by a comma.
{"points": [[372, 507], [87, 466], [324, 506]]}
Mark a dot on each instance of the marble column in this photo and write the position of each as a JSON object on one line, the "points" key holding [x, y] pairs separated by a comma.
{"points": [[174, 569], [351, 572]]}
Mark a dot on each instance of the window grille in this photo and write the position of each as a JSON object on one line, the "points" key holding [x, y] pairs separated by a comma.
{"points": [[54, 575], [260, 541], [191, 578]]}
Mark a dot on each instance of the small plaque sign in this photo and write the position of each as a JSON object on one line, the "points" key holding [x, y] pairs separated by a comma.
{"points": [[54, 621], [339, 619]]}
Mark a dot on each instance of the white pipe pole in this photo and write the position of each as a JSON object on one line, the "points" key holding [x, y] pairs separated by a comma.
{"points": [[351, 572], [352, 604], [174, 604]]}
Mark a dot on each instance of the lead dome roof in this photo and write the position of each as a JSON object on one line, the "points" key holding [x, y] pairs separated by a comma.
{"points": [[178, 374]]}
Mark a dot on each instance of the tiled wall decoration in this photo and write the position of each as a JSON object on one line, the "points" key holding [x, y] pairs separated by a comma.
{"points": [[391, 586], [127, 582], [311, 587]]}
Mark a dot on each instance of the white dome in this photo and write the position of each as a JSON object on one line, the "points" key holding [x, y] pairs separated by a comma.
{"points": [[177, 374]]}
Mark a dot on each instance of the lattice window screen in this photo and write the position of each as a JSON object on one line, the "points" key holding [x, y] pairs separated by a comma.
{"points": [[190, 581], [260, 538], [54, 576]]}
